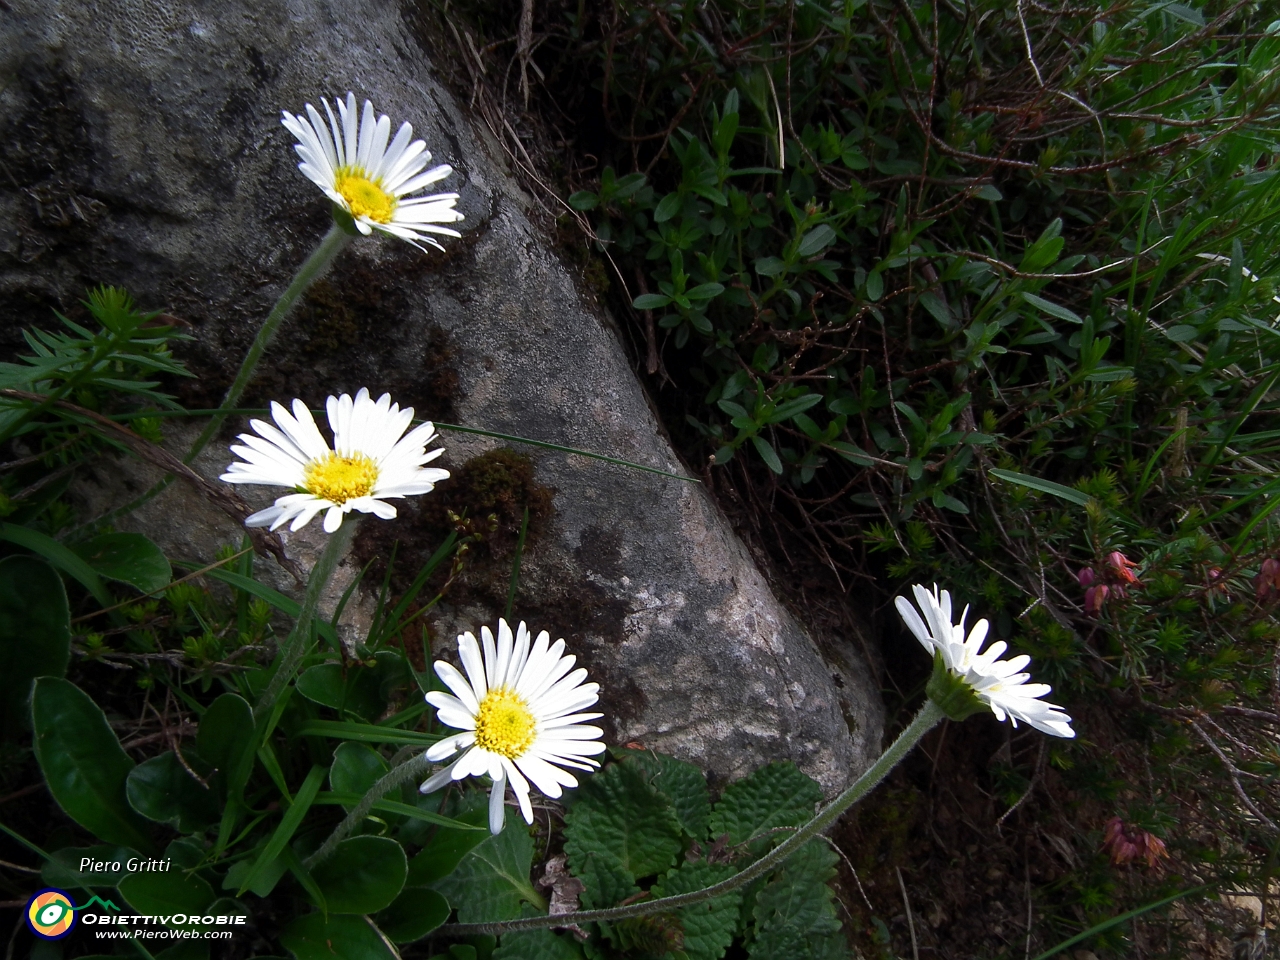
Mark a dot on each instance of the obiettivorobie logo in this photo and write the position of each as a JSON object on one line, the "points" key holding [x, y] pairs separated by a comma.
{"points": [[51, 913]]}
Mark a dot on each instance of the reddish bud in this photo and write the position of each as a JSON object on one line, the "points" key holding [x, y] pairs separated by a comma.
{"points": [[1125, 843], [1267, 582], [1122, 567], [1086, 576], [1094, 598]]}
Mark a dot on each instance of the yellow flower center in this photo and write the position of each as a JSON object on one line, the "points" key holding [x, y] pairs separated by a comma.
{"points": [[339, 479], [365, 197], [505, 724]]}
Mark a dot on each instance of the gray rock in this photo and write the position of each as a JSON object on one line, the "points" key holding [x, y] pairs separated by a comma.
{"points": [[142, 147]]}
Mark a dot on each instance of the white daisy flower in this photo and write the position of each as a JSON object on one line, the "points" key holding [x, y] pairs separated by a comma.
{"points": [[357, 170], [372, 460], [997, 683], [518, 708]]}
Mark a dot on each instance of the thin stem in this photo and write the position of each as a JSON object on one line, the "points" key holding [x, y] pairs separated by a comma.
{"points": [[924, 721], [396, 777], [296, 643], [316, 266]]}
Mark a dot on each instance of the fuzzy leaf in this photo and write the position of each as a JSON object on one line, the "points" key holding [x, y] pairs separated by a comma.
{"points": [[708, 926], [537, 945], [315, 937], [776, 795], [795, 914], [682, 783], [619, 814], [492, 879]]}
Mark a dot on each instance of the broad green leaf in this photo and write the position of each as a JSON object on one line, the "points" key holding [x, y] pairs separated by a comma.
{"points": [[413, 914], [708, 926], [225, 736], [362, 875], [874, 286], [128, 557], [705, 291], [769, 266], [314, 937], [355, 768], [794, 914], [356, 688], [491, 881], [161, 789], [605, 878], [446, 848], [1051, 308], [537, 945], [83, 764], [790, 408], [651, 301], [989, 191], [776, 795], [35, 634], [260, 884], [106, 865], [584, 200], [167, 894], [619, 815], [1044, 486], [682, 783], [816, 240], [58, 555]]}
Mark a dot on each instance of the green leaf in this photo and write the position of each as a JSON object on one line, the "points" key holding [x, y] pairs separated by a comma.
{"points": [[651, 301], [413, 914], [62, 869], [166, 894], [35, 634], [682, 783], [1051, 308], [83, 763], [989, 192], [939, 309], [667, 208], [492, 879], [769, 266], [356, 688], [1044, 486], [789, 408], [315, 937], [816, 240], [162, 790], [537, 945], [225, 736], [446, 848], [58, 555], [776, 795], [705, 291], [874, 286], [355, 768], [396, 807], [767, 453], [286, 605], [605, 878], [619, 818], [366, 732], [795, 914], [261, 883], [708, 926], [362, 875], [583, 200], [288, 824], [129, 558]]}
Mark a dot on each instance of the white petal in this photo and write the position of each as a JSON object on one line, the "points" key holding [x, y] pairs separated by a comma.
{"points": [[497, 806]]}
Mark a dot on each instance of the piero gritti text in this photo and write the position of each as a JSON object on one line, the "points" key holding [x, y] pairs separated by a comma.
{"points": [[132, 865]]}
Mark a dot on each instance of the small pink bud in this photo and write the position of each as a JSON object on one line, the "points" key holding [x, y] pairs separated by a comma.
{"points": [[1094, 598], [1122, 567], [1086, 576]]}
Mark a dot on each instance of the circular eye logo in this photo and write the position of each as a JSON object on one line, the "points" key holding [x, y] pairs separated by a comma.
{"points": [[51, 914]]}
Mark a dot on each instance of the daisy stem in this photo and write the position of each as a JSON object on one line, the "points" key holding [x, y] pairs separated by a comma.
{"points": [[295, 644], [924, 721], [316, 266], [397, 776]]}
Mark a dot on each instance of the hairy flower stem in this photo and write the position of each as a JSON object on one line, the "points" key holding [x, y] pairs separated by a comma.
{"points": [[295, 644], [395, 777], [924, 721], [316, 266]]}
